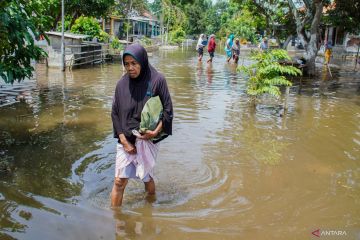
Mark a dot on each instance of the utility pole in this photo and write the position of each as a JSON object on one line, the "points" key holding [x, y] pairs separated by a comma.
{"points": [[128, 24], [162, 23], [62, 37]]}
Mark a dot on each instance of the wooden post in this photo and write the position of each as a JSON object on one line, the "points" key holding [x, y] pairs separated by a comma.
{"points": [[357, 57], [111, 26]]}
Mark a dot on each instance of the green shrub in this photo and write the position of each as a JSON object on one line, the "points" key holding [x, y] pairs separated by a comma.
{"points": [[267, 73], [103, 36], [115, 44], [146, 41], [67, 22], [177, 36], [88, 26]]}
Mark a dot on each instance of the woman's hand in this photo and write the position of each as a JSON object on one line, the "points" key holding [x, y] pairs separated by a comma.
{"points": [[129, 148], [148, 135]]}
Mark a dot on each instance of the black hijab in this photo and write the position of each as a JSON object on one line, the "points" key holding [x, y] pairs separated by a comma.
{"points": [[139, 53]]}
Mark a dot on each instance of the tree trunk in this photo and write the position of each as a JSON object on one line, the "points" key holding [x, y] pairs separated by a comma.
{"points": [[75, 15], [310, 38], [287, 41], [57, 19]]}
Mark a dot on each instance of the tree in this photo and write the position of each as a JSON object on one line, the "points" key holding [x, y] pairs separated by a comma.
{"points": [[196, 16], [89, 26], [307, 20], [305, 17], [124, 7], [345, 13], [279, 22], [73, 9], [20, 23]]}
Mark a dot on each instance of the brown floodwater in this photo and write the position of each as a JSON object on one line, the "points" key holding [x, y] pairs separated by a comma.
{"points": [[230, 171]]}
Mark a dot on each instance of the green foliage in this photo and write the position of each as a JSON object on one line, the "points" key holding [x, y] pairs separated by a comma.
{"points": [[267, 73], [86, 25], [51, 9], [146, 41], [346, 14], [273, 16], [174, 16], [177, 36], [19, 24], [89, 26], [243, 26], [196, 15], [115, 44], [103, 36], [122, 8], [67, 24]]}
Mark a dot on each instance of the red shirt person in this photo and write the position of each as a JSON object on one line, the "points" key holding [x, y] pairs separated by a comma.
{"points": [[211, 47]]}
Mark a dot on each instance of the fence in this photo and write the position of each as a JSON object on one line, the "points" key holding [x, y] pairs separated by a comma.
{"points": [[88, 53]]}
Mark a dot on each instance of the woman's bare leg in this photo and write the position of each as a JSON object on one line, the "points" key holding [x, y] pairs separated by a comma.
{"points": [[150, 186], [118, 191]]}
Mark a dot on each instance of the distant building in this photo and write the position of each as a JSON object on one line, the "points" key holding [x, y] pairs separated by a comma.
{"points": [[144, 24]]}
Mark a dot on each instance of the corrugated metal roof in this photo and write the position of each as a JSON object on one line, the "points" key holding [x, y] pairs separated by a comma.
{"points": [[68, 35]]}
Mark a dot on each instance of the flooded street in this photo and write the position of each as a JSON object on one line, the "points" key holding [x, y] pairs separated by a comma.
{"points": [[229, 171]]}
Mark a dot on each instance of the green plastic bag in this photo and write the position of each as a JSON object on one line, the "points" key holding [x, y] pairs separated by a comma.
{"points": [[151, 115]]}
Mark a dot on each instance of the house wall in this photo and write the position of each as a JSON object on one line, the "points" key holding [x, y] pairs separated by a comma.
{"points": [[55, 41]]}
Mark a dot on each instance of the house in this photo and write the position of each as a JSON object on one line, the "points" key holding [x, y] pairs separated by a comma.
{"points": [[141, 25]]}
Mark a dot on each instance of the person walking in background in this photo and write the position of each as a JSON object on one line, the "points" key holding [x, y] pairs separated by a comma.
{"points": [[236, 50], [228, 47], [211, 48], [200, 46], [328, 51], [264, 45], [136, 153]]}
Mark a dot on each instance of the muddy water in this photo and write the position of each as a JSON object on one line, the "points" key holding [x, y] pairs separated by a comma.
{"points": [[229, 171]]}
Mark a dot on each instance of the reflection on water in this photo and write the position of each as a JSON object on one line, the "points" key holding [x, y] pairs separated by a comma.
{"points": [[230, 170]]}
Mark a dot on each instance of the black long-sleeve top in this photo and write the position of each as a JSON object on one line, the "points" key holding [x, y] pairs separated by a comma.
{"points": [[131, 95]]}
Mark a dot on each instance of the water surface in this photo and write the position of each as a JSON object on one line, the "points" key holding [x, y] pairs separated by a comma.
{"points": [[229, 171]]}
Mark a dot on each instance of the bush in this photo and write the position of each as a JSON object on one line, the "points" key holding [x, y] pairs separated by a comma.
{"points": [[267, 74], [86, 25], [146, 41], [115, 44], [177, 36], [90, 26], [103, 36]]}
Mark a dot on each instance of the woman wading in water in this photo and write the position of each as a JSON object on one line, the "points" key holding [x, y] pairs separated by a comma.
{"points": [[136, 153]]}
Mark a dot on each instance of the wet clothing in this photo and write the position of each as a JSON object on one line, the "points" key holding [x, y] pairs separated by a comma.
{"points": [[236, 49], [229, 44], [201, 44], [132, 94], [212, 45], [139, 165], [328, 52]]}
